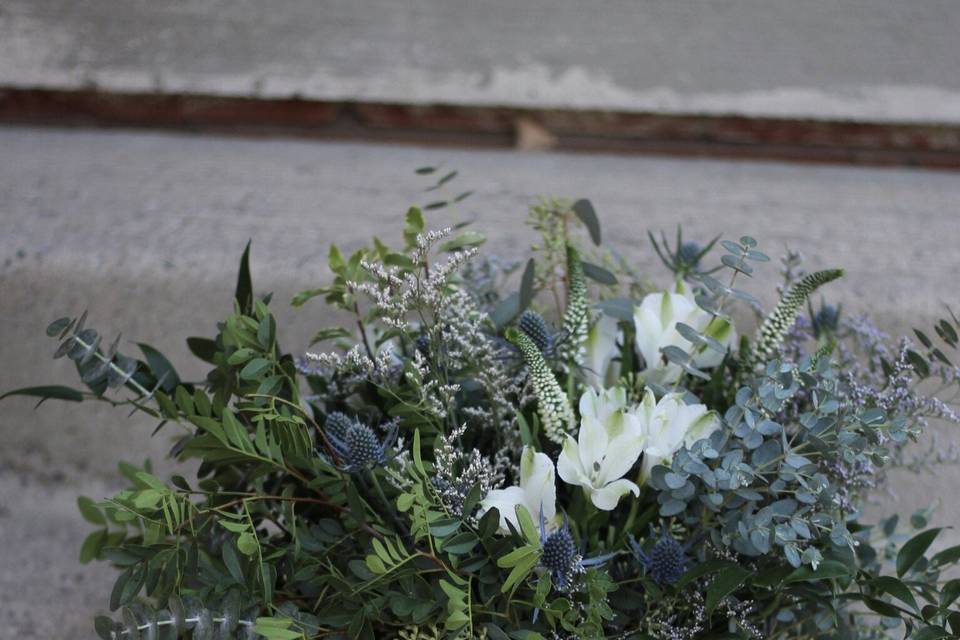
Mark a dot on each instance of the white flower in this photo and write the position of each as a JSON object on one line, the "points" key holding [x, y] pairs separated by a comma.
{"points": [[537, 491], [601, 346], [610, 441], [656, 318], [670, 425]]}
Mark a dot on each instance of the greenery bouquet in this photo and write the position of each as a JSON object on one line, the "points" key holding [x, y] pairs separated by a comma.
{"points": [[550, 448]]}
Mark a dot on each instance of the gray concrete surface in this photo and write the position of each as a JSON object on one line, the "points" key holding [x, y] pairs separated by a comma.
{"points": [[145, 231], [884, 60]]}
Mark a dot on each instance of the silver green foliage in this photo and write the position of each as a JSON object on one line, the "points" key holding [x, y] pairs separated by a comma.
{"points": [[772, 482]]}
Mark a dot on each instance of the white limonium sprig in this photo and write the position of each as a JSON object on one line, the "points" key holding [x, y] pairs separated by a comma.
{"points": [[537, 492], [670, 425], [656, 319], [610, 441]]}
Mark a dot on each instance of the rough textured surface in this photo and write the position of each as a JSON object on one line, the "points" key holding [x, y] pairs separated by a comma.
{"points": [[859, 59], [146, 230]]}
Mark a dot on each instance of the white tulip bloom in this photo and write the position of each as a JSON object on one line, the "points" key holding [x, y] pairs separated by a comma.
{"points": [[601, 348], [656, 318], [671, 424], [537, 492], [610, 441]]}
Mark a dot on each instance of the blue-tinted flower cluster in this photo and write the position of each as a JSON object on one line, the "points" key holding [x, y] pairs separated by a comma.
{"points": [[665, 562], [356, 445]]}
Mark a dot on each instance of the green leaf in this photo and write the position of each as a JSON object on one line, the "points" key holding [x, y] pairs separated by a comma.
{"points": [[276, 629], [516, 556], [330, 333], [91, 546], [375, 565], [881, 607], [520, 571], [465, 239], [530, 531], [244, 291], [598, 273], [526, 285], [160, 367], [703, 569], [828, 570], [203, 348], [584, 210], [896, 588], [57, 326], [417, 459], [414, 226], [247, 544], [723, 585], [232, 561], [267, 332], [89, 511], [506, 311], [240, 356], [931, 633], [919, 363], [914, 549], [253, 369], [54, 392], [948, 556], [301, 298]]}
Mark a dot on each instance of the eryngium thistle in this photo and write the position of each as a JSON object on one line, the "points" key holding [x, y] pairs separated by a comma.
{"points": [[825, 319], [337, 424], [552, 403], [689, 256], [359, 448], [533, 324], [666, 562], [575, 316], [561, 559]]}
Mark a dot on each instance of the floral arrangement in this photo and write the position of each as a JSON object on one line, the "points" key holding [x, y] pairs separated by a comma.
{"points": [[553, 448]]}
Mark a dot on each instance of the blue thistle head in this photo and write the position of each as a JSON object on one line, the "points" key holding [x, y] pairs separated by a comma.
{"points": [[533, 324], [826, 319], [422, 344], [688, 255], [560, 557], [356, 444], [337, 424], [666, 562]]}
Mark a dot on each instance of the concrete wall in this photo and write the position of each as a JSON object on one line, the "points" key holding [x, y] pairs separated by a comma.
{"points": [[886, 60]]}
